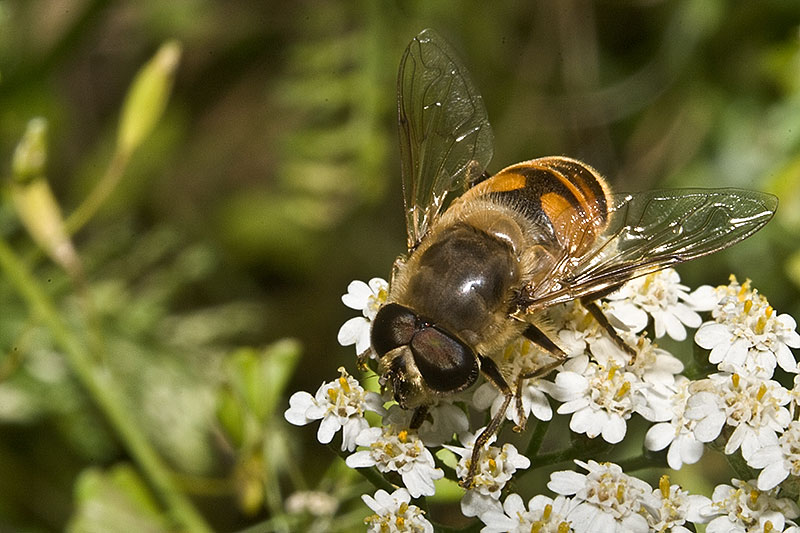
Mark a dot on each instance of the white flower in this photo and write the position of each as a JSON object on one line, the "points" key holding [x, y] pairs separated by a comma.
{"points": [[742, 508], [652, 364], [685, 447], [447, 420], [780, 459], [543, 515], [669, 508], [608, 500], [653, 370], [600, 398], [313, 502], [495, 469], [340, 404], [367, 299], [795, 393], [746, 335], [576, 327], [752, 406], [706, 407], [519, 357], [660, 295], [396, 449], [393, 514], [443, 421]]}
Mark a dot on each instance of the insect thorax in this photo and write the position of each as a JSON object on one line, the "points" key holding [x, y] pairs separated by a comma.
{"points": [[461, 280]]}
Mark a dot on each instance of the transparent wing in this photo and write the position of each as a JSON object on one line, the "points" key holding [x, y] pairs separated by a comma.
{"points": [[445, 136], [651, 231]]}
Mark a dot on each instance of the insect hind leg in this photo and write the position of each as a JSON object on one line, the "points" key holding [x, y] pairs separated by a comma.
{"points": [[590, 304]]}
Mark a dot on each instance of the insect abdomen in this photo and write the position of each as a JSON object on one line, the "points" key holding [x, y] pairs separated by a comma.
{"points": [[565, 199]]}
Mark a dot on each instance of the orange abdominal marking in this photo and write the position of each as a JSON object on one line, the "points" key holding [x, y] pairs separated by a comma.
{"points": [[555, 206], [507, 181]]}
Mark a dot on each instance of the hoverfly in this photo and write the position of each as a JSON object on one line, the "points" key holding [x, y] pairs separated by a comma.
{"points": [[487, 255]]}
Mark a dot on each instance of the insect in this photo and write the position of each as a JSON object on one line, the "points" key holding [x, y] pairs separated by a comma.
{"points": [[487, 255]]}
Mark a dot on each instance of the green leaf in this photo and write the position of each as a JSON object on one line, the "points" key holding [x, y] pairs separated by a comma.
{"points": [[280, 360], [231, 416], [116, 500]]}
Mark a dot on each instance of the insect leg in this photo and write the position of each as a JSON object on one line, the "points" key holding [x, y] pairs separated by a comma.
{"points": [[538, 337], [492, 373], [591, 305], [418, 417], [363, 359]]}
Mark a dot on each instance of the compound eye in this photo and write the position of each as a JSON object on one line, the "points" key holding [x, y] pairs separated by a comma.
{"points": [[392, 327], [446, 364]]}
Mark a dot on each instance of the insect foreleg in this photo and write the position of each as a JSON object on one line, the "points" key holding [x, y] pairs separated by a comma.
{"points": [[538, 337], [418, 417], [492, 373]]}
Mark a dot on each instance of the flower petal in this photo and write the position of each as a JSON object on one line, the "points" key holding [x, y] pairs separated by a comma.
{"points": [[357, 295], [711, 334], [353, 331], [566, 482], [614, 430], [659, 436], [773, 474], [691, 449], [360, 459], [328, 428], [299, 403], [786, 358]]}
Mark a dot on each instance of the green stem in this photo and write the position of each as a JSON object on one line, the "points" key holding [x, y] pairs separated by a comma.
{"points": [[539, 432], [441, 528], [102, 190], [104, 391], [553, 457], [638, 462], [580, 449], [739, 466]]}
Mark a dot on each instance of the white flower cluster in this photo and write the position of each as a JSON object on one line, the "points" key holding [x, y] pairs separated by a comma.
{"points": [[606, 500], [601, 385]]}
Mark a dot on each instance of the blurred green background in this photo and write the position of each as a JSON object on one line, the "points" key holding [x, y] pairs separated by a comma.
{"points": [[272, 180]]}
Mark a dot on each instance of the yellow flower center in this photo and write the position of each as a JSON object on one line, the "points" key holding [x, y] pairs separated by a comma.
{"points": [[623, 390], [548, 510], [663, 486], [762, 390]]}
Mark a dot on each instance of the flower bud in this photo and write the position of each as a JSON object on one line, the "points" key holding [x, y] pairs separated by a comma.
{"points": [[34, 200], [147, 98], [30, 155]]}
